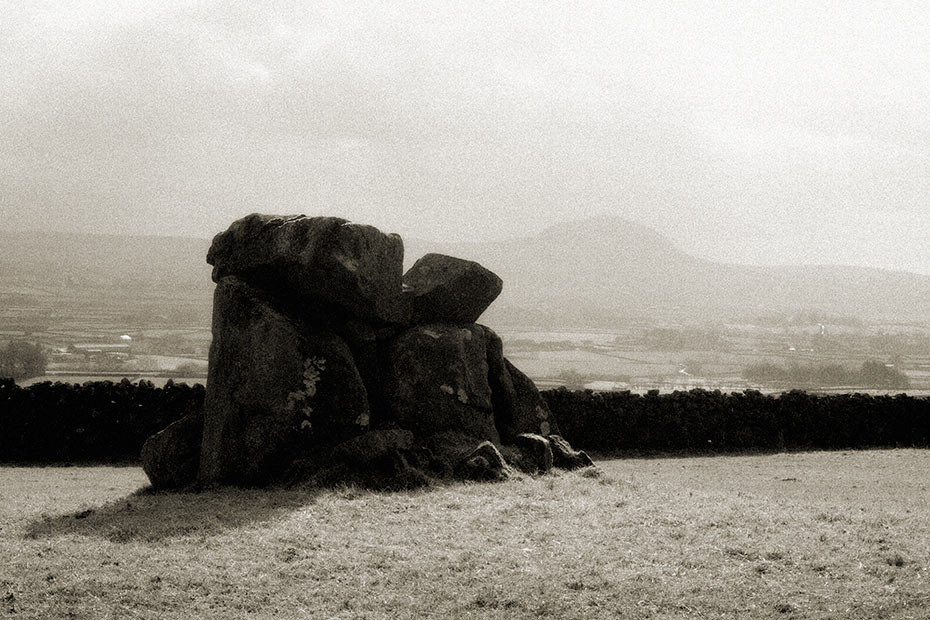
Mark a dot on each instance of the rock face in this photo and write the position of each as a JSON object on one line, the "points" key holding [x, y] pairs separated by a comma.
{"points": [[438, 380], [328, 364]]}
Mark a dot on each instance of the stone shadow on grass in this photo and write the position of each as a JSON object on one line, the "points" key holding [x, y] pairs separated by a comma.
{"points": [[150, 516]]}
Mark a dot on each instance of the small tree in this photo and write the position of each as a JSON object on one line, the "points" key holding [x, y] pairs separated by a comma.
{"points": [[877, 374], [572, 379], [21, 360]]}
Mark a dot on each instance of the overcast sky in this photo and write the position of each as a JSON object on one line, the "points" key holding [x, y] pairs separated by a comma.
{"points": [[760, 132]]}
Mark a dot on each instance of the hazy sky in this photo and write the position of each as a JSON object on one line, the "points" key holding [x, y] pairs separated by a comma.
{"points": [[764, 132]]}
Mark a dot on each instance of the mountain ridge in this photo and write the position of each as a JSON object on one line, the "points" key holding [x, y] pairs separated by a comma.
{"points": [[584, 272], [620, 269]]}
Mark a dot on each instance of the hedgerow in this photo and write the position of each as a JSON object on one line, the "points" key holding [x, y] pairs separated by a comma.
{"points": [[97, 421], [103, 421], [702, 421]]}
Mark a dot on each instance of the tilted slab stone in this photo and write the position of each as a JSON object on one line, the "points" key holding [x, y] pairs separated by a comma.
{"points": [[518, 405], [275, 389], [355, 267], [437, 380], [449, 289], [531, 414], [171, 457]]}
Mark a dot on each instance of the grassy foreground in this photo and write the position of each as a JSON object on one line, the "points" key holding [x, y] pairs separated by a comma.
{"points": [[811, 535]]}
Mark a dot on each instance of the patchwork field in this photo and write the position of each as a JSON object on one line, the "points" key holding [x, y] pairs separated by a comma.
{"points": [[667, 359], [807, 535]]}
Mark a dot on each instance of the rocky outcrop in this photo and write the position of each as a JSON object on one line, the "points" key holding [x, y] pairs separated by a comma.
{"points": [[328, 363]]}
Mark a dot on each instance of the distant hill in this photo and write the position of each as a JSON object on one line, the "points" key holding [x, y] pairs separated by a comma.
{"points": [[67, 259], [597, 272], [100, 283], [604, 270]]}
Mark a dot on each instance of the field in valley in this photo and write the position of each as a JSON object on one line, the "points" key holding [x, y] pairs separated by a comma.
{"points": [[805, 535], [716, 357]]}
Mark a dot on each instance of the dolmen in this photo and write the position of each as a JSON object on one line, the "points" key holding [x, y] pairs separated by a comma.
{"points": [[329, 364]]}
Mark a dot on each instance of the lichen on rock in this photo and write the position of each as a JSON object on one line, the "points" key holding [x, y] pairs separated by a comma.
{"points": [[300, 400]]}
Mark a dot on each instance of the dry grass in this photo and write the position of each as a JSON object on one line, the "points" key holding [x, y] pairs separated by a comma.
{"points": [[818, 535]]}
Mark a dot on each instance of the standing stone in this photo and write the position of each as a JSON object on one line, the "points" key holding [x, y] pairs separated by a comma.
{"points": [[451, 290], [274, 390], [326, 260], [437, 380]]}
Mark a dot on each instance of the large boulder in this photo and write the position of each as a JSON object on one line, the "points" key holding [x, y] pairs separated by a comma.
{"points": [[275, 389], [451, 290], [323, 260], [437, 380], [171, 457], [380, 459]]}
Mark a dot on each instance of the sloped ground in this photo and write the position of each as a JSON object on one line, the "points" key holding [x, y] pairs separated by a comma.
{"points": [[811, 535]]}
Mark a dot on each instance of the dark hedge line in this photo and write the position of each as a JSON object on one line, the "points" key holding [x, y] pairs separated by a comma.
{"points": [[702, 421], [103, 421], [97, 421]]}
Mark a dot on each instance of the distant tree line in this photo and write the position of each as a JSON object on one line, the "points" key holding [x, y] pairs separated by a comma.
{"points": [[872, 374], [669, 339], [701, 421]]}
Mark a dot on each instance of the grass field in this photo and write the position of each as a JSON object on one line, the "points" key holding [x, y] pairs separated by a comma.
{"points": [[809, 535]]}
